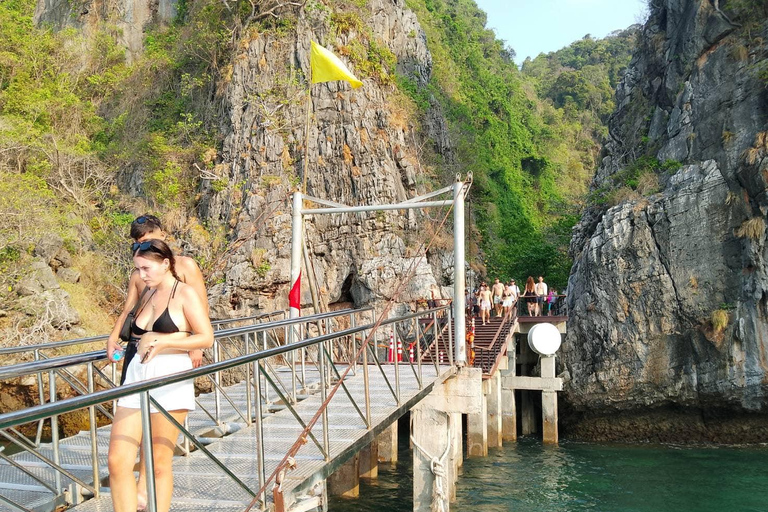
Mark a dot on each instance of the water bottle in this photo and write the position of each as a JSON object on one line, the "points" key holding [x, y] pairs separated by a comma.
{"points": [[117, 354]]}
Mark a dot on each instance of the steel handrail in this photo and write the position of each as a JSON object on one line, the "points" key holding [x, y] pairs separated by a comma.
{"points": [[54, 363], [102, 337], [60, 407]]}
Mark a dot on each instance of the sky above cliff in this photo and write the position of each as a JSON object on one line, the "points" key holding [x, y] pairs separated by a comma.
{"points": [[531, 27]]}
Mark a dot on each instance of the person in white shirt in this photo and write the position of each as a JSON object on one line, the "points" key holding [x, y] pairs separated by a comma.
{"points": [[541, 295]]}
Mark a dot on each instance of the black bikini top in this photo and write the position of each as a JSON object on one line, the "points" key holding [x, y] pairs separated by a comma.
{"points": [[164, 323]]}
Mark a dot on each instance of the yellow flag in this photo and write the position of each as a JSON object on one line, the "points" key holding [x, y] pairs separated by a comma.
{"points": [[326, 67]]}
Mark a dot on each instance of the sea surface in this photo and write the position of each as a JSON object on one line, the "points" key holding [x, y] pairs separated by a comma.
{"points": [[576, 477]]}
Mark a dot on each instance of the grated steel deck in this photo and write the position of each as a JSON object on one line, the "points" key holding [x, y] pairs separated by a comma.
{"points": [[200, 484]]}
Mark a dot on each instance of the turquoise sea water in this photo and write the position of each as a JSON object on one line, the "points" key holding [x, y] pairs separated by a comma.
{"points": [[580, 477]]}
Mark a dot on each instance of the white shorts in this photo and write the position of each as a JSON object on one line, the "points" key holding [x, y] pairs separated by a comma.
{"points": [[485, 304], [507, 302], [173, 397]]}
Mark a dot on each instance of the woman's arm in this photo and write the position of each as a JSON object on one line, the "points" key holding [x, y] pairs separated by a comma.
{"points": [[135, 285]]}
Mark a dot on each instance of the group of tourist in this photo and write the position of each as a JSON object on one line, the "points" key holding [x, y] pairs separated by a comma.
{"points": [[502, 297]]}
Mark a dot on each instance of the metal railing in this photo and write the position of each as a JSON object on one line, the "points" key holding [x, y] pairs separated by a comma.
{"points": [[488, 358], [254, 361], [36, 349], [557, 308]]}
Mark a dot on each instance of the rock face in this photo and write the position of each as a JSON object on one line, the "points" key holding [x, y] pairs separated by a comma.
{"points": [[361, 151], [128, 16], [668, 295]]}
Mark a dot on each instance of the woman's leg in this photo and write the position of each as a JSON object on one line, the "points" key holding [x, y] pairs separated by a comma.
{"points": [[164, 435], [123, 445]]}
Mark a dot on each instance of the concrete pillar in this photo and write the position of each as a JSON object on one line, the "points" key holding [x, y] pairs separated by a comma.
{"points": [[477, 431], [549, 404], [494, 410], [345, 481], [456, 456], [369, 461], [508, 405], [528, 423], [387, 441], [431, 433]]}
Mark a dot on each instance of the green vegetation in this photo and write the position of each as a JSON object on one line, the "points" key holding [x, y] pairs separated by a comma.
{"points": [[720, 319], [531, 138]]}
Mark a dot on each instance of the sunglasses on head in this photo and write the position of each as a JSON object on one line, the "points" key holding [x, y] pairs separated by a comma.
{"points": [[141, 220], [146, 245]]}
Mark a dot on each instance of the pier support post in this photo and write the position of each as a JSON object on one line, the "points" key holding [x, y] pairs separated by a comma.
{"points": [[369, 461], [477, 431], [457, 451], [387, 441], [494, 410], [528, 423], [435, 428], [508, 405], [549, 403], [430, 432], [345, 481]]}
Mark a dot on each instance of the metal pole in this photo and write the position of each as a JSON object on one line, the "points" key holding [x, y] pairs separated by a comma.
{"points": [[41, 393], [436, 344], [302, 353], [149, 462], [297, 231], [366, 384], [397, 364], [258, 375], [353, 324], [248, 404], [459, 283], [54, 430], [217, 380], [259, 430], [297, 242], [418, 354], [94, 444], [329, 346], [324, 395], [450, 338]]}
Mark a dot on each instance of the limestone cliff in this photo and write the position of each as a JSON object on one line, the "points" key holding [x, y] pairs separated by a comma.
{"points": [[361, 151], [668, 295], [129, 17]]}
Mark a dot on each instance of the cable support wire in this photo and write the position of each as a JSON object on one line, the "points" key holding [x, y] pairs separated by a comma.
{"points": [[302, 439]]}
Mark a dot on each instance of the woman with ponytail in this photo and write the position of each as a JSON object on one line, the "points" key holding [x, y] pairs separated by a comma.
{"points": [[171, 321]]}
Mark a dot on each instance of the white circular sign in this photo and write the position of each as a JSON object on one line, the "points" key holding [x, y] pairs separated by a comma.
{"points": [[544, 339]]}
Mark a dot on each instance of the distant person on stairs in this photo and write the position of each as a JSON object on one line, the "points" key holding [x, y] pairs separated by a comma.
{"points": [[506, 298], [530, 295], [498, 292], [485, 303], [541, 295]]}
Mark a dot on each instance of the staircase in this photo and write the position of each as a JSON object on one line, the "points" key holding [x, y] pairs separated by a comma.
{"points": [[490, 342]]}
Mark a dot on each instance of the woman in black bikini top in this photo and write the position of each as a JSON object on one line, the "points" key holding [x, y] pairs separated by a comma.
{"points": [[164, 324], [155, 263]]}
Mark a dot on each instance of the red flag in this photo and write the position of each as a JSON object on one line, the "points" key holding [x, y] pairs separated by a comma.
{"points": [[294, 297]]}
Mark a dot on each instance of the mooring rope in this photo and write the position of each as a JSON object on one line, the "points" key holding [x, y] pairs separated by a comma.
{"points": [[437, 467]]}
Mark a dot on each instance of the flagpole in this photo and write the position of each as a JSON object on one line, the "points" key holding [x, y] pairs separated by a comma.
{"points": [[306, 132]]}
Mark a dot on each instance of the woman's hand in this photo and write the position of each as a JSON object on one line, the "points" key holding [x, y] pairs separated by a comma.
{"points": [[112, 347], [150, 345]]}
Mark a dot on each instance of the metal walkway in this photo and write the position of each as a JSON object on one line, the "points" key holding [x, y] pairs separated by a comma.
{"points": [[257, 434], [201, 486]]}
